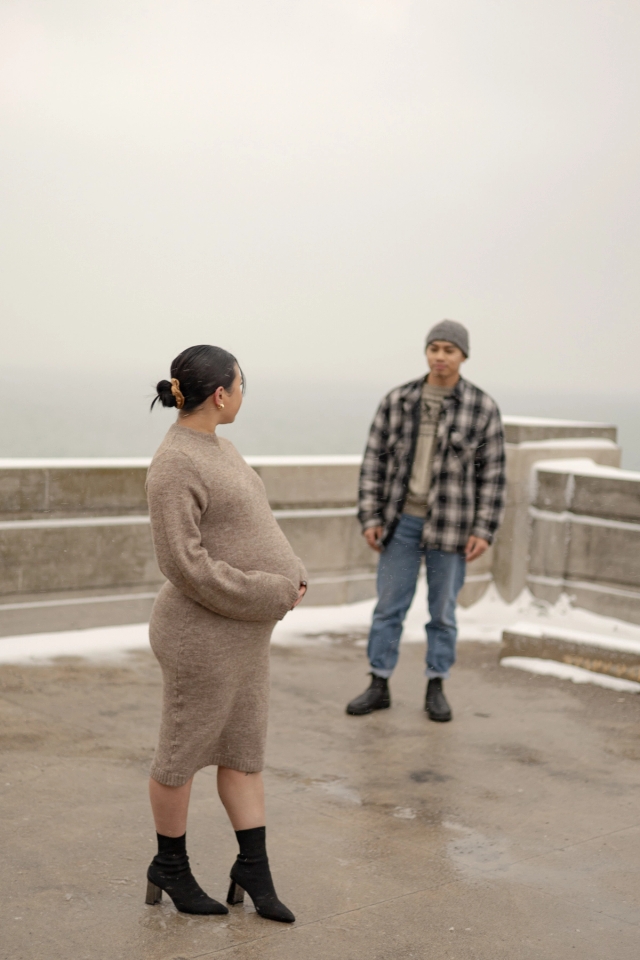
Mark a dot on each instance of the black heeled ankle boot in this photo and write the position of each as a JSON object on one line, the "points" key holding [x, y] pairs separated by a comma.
{"points": [[170, 871], [375, 697], [435, 702], [251, 872]]}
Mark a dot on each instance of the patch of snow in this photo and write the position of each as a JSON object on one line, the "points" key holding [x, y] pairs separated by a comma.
{"points": [[566, 671], [487, 619], [99, 643], [484, 621], [306, 623]]}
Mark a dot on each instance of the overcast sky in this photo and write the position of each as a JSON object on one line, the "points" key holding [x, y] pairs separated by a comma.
{"points": [[313, 184]]}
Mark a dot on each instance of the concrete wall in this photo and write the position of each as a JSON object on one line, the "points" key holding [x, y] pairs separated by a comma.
{"points": [[585, 537], [528, 442], [76, 551], [31, 489]]}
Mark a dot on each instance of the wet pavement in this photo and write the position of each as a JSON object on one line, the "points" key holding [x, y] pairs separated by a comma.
{"points": [[513, 832]]}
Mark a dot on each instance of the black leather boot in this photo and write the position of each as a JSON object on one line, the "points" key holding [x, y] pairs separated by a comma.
{"points": [[251, 872], [170, 871], [375, 697], [436, 703]]}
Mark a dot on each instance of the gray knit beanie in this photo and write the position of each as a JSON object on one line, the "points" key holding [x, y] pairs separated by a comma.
{"points": [[453, 332]]}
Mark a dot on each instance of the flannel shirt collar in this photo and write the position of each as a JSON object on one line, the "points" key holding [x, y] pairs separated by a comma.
{"points": [[413, 392]]}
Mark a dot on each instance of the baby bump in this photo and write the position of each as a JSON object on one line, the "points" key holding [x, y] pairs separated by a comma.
{"points": [[251, 547]]}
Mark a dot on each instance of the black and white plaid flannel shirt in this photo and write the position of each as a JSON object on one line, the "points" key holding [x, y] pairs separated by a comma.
{"points": [[468, 481]]}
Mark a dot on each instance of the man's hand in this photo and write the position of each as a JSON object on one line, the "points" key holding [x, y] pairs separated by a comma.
{"points": [[475, 547], [372, 536]]}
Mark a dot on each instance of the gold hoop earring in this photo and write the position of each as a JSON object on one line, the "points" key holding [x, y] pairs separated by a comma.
{"points": [[221, 406]]}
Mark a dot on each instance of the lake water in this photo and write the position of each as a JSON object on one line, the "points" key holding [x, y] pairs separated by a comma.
{"points": [[56, 415]]}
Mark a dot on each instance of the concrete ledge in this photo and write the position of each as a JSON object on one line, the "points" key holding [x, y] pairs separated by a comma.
{"points": [[585, 536], [527, 429], [585, 548], [606, 599], [308, 482], [590, 488], [77, 554], [74, 610], [116, 486], [98, 486], [530, 441], [79, 528], [330, 590], [613, 656]]}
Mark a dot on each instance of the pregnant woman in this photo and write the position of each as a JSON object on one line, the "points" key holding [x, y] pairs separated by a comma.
{"points": [[231, 575]]}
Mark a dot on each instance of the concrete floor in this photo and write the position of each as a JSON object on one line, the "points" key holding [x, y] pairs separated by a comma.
{"points": [[513, 832]]}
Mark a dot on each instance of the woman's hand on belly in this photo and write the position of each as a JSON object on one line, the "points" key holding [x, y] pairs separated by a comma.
{"points": [[301, 592]]}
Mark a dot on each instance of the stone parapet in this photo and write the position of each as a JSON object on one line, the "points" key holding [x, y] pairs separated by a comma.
{"points": [[529, 441], [72, 487], [76, 549], [585, 537], [519, 430], [76, 553], [299, 483]]}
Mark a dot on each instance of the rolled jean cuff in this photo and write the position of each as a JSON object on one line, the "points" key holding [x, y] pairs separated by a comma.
{"points": [[384, 674], [433, 674]]}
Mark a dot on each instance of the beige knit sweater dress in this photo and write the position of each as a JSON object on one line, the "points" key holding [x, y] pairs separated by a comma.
{"points": [[231, 574]]}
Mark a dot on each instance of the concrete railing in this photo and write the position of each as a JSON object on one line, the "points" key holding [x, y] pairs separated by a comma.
{"points": [[585, 537], [76, 551], [75, 540], [528, 441]]}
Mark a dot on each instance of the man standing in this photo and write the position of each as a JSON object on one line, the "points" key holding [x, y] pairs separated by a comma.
{"points": [[432, 485]]}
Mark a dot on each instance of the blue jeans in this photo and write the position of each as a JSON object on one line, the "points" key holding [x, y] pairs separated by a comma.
{"points": [[397, 578]]}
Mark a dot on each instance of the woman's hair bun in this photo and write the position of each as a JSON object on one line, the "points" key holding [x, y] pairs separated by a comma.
{"points": [[196, 374], [164, 395]]}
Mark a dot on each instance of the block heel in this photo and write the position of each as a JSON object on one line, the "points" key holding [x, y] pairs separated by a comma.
{"points": [[236, 893], [154, 894]]}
